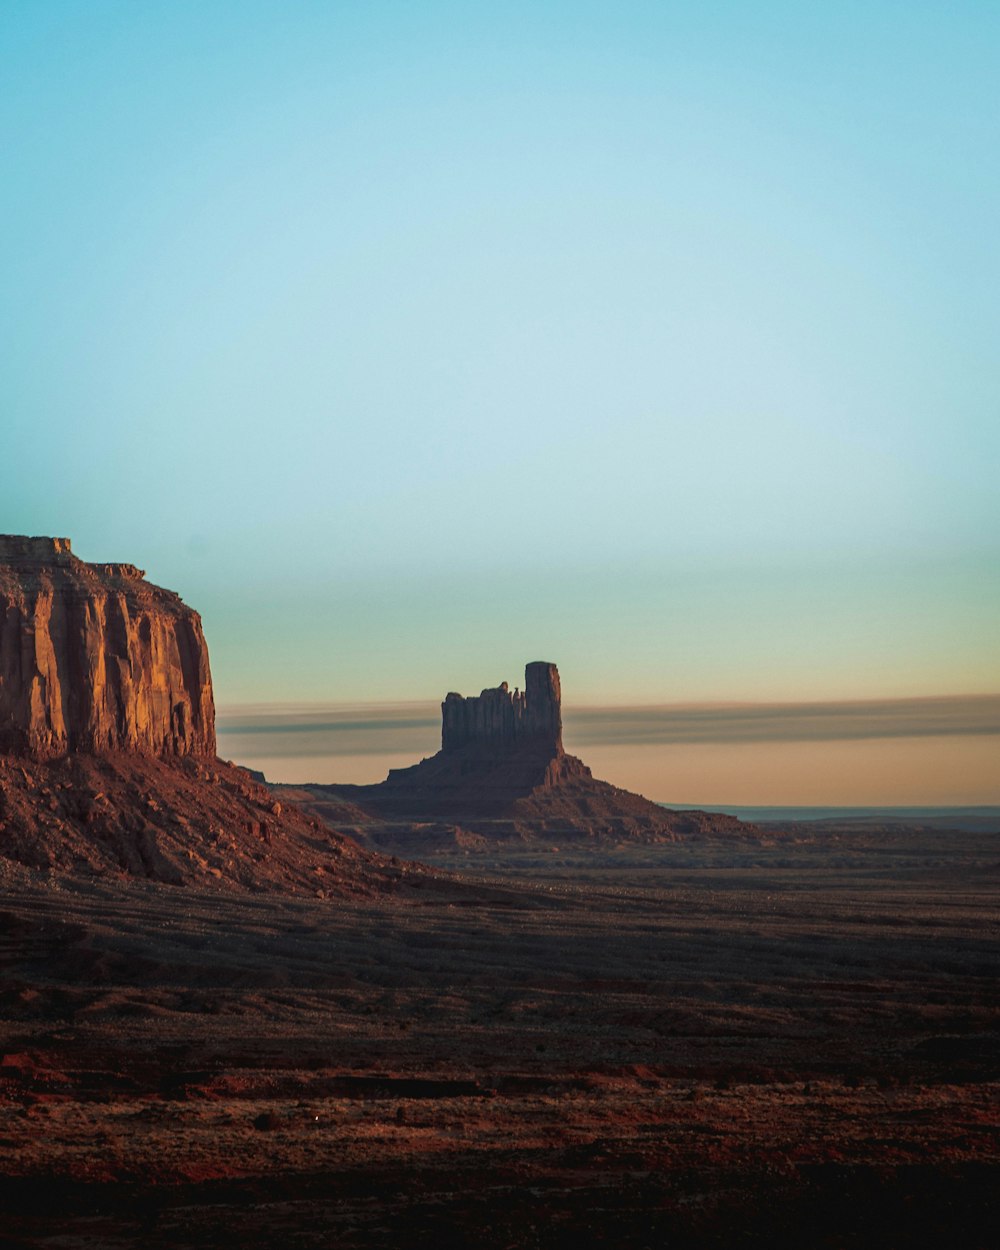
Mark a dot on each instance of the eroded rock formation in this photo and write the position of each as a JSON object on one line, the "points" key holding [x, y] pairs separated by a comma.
{"points": [[495, 746], [94, 658], [107, 745], [502, 772], [499, 720]]}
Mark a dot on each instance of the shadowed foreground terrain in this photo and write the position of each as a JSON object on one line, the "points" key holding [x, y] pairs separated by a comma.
{"points": [[691, 1045]]}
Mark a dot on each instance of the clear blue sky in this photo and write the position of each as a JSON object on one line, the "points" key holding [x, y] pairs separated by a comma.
{"points": [[410, 342]]}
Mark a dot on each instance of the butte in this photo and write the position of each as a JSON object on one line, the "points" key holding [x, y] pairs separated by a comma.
{"points": [[502, 775]]}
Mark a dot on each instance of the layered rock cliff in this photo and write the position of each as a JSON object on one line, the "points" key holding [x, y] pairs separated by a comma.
{"points": [[107, 745], [94, 658], [495, 746], [498, 720]]}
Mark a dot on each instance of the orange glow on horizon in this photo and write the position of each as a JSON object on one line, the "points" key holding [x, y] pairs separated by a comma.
{"points": [[957, 770], [878, 772]]}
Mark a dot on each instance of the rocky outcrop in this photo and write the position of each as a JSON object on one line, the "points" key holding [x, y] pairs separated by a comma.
{"points": [[498, 720], [502, 772], [495, 746], [107, 745], [95, 659], [181, 821]]}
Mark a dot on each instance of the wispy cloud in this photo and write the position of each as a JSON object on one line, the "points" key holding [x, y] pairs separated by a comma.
{"points": [[294, 729], [788, 722], [291, 730]]}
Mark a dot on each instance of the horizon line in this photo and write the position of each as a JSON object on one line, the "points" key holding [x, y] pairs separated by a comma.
{"points": [[382, 727]]}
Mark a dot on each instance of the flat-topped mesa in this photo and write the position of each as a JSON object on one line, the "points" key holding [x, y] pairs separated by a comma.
{"points": [[95, 659], [499, 720]]}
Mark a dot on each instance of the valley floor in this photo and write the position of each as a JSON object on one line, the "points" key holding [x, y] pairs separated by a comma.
{"points": [[785, 1043]]}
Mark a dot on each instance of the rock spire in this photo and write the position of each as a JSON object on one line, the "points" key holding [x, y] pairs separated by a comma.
{"points": [[499, 720]]}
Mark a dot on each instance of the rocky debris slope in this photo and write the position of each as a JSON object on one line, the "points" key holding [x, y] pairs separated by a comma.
{"points": [[502, 773], [191, 822], [94, 658]]}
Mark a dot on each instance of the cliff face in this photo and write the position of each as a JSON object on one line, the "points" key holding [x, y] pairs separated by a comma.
{"points": [[499, 721], [107, 745], [95, 659]]}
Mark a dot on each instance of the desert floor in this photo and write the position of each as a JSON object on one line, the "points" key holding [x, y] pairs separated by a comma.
{"points": [[791, 1042]]}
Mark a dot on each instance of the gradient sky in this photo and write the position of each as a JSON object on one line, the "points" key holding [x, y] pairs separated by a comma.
{"points": [[411, 342]]}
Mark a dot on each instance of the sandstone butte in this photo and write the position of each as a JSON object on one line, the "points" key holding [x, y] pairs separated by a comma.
{"points": [[502, 772], [107, 744]]}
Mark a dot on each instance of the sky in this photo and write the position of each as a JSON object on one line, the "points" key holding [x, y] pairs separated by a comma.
{"points": [[410, 343]]}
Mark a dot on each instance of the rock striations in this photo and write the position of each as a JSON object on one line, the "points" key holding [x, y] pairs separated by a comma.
{"points": [[107, 744], [502, 773], [496, 748], [499, 721], [93, 658]]}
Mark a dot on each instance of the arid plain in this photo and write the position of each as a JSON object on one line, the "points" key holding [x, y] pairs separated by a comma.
{"points": [[773, 1040]]}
